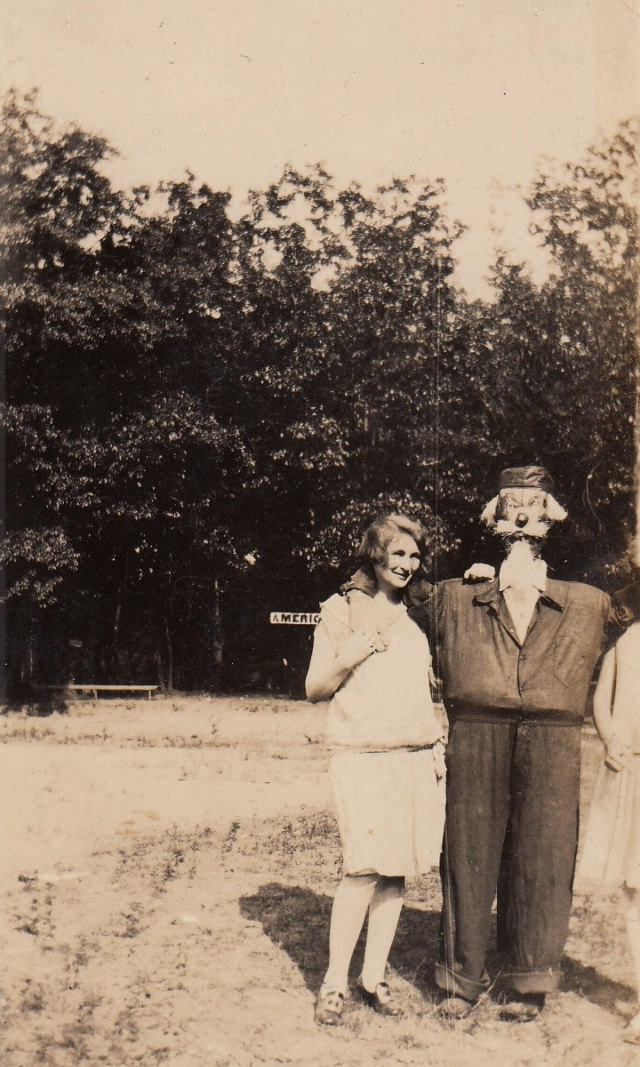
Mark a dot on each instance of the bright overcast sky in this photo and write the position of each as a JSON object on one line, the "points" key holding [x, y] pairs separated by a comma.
{"points": [[474, 91]]}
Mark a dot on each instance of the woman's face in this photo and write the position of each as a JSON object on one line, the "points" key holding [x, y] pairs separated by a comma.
{"points": [[401, 563]]}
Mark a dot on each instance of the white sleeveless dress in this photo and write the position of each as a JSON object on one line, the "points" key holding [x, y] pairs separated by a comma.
{"points": [[387, 778], [610, 853]]}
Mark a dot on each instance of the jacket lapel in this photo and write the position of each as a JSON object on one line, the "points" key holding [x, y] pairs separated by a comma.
{"points": [[554, 599], [495, 603]]}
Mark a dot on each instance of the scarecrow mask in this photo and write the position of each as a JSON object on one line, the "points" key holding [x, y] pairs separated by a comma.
{"points": [[524, 508]]}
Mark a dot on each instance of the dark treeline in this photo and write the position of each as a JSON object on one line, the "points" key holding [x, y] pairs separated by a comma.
{"points": [[201, 411]]}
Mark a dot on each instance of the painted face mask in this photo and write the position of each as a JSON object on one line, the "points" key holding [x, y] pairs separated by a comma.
{"points": [[522, 513], [524, 509]]}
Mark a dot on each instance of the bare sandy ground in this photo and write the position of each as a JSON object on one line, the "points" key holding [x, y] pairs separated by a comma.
{"points": [[166, 878]]}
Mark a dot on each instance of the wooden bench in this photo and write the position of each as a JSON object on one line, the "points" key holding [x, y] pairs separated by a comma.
{"points": [[92, 687]]}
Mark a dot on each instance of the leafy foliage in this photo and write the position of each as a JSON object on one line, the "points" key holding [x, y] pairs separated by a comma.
{"points": [[202, 413]]}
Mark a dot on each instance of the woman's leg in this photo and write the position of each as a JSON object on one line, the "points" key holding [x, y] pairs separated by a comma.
{"points": [[348, 913], [384, 912], [632, 919], [632, 922]]}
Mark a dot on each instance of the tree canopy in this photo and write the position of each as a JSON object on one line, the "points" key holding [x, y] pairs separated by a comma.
{"points": [[202, 412]]}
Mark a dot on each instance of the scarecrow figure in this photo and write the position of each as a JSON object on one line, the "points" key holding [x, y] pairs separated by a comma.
{"points": [[516, 656]]}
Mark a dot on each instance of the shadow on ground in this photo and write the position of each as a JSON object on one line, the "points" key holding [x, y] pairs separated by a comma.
{"points": [[590, 983], [297, 921]]}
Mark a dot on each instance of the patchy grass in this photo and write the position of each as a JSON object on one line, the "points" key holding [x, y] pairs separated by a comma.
{"points": [[189, 925]]}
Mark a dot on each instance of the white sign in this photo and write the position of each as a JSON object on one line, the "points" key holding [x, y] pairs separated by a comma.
{"points": [[294, 618]]}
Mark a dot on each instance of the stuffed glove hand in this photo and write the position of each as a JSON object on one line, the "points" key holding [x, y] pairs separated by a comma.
{"points": [[480, 572], [439, 764]]}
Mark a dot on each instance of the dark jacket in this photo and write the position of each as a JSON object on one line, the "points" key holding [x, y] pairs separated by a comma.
{"points": [[481, 661], [484, 665]]}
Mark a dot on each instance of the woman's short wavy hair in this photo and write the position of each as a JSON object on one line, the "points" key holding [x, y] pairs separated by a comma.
{"points": [[382, 531]]}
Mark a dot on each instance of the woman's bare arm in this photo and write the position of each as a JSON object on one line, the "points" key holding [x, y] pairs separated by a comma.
{"points": [[329, 667], [616, 749]]}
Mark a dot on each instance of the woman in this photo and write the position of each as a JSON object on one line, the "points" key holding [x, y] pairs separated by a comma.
{"points": [[611, 849], [387, 761]]}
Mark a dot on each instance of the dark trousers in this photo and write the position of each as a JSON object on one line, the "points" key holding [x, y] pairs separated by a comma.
{"points": [[512, 818]]}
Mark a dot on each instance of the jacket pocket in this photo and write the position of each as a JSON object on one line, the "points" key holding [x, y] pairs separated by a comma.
{"points": [[569, 660]]}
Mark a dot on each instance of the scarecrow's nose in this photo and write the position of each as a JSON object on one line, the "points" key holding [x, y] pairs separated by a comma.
{"points": [[521, 519]]}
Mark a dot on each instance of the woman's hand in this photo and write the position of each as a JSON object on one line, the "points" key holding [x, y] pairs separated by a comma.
{"points": [[616, 754], [330, 667], [356, 648]]}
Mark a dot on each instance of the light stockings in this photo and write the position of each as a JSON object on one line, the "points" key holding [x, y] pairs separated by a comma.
{"points": [[632, 919], [383, 898], [384, 912]]}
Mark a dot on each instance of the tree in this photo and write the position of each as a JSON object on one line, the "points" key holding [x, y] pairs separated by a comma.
{"points": [[344, 402], [563, 357], [55, 202], [203, 413]]}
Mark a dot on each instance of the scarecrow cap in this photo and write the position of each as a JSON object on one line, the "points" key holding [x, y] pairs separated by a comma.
{"points": [[526, 478]]}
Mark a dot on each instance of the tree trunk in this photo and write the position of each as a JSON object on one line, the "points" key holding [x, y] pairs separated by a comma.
{"points": [[169, 655], [636, 546], [218, 636], [112, 655], [636, 480]]}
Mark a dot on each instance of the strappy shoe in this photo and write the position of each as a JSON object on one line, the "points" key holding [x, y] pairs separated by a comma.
{"points": [[329, 1006], [380, 1000]]}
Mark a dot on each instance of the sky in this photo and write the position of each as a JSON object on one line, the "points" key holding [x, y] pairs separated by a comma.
{"points": [[477, 92]]}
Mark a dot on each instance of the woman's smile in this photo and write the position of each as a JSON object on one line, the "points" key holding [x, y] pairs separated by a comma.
{"points": [[402, 561]]}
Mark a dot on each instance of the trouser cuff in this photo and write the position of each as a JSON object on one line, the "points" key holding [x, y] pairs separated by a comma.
{"points": [[455, 984], [532, 981]]}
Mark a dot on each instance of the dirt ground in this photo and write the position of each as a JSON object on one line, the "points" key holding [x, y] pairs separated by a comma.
{"points": [[168, 868]]}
